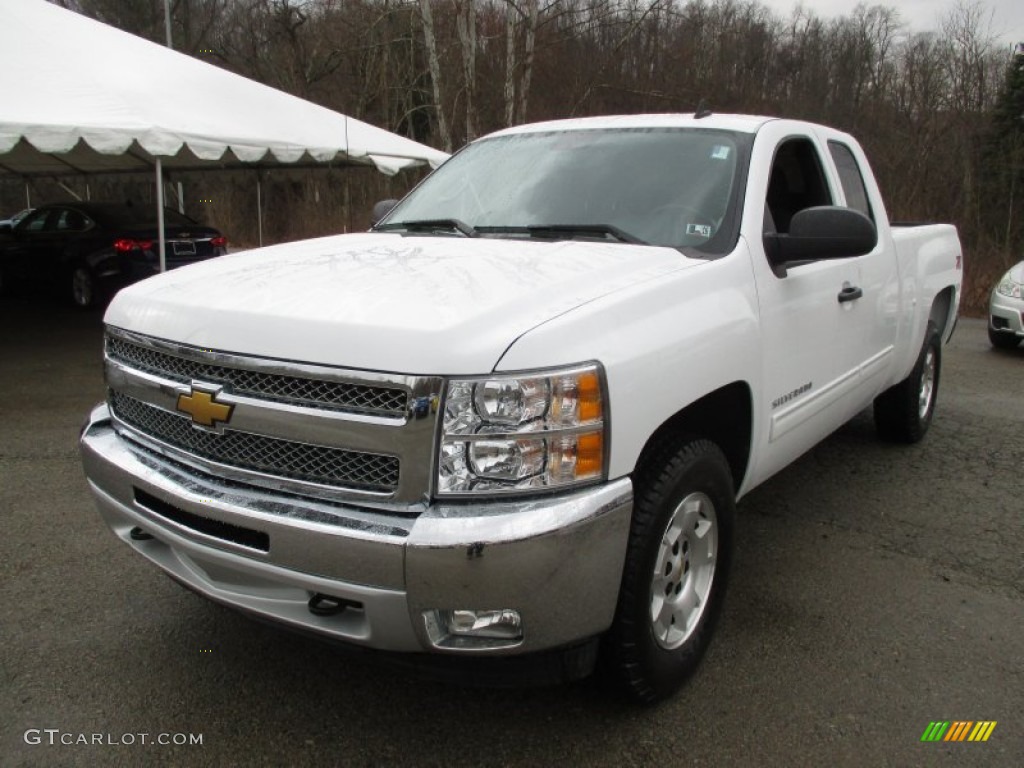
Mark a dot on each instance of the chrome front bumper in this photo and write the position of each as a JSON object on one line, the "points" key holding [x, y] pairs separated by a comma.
{"points": [[556, 560]]}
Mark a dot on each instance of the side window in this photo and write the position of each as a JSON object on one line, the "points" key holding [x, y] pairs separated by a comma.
{"points": [[851, 179], [35, 222], [797, 181], [71, 221]]}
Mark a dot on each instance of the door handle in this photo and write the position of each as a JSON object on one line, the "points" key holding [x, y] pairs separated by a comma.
{"points": [[849, 293]]}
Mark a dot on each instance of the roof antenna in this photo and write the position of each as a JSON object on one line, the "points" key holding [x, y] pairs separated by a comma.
{"points": [[702, 110]]}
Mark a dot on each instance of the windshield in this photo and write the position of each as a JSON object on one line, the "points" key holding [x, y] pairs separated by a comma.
{"points": [[676, 187]]}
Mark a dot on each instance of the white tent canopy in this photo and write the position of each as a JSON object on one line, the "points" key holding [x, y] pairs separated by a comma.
{"points": [[105, 100]]}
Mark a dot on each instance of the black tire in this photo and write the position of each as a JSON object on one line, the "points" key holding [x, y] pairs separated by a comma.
{"points": [[904, 412], [651, 655], [1003, 340], [84, 291]]}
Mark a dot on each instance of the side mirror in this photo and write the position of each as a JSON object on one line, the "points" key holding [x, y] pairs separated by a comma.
{"points": [[380, 210], [824, 232]]}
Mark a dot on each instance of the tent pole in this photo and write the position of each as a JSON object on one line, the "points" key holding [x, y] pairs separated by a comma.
{"points": [[69, 190], [167, 21], [259, 209], [160, 214]]}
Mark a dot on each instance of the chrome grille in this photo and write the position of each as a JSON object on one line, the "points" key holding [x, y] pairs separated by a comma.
{"points": [[294, 390], [283, 458]]}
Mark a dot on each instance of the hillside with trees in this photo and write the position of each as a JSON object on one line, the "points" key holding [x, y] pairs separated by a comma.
{"points": [[941, 114]]}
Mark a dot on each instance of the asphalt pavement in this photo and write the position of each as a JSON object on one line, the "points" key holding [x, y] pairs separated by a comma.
{"points": [[876, 589]]}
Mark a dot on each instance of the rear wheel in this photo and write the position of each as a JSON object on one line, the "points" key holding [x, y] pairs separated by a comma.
{"points": [[83, 288], [904, 412], [1003, 340], [675, 572]]}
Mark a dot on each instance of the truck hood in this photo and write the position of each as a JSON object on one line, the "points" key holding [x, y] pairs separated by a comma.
{"points": [[383, 302]]}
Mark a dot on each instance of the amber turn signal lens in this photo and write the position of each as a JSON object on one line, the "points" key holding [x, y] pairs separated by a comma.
{"points": [[589, 455], [590, 396]]}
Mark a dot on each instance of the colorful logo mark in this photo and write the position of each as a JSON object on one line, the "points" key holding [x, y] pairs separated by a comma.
{"points": [[959, 730]]}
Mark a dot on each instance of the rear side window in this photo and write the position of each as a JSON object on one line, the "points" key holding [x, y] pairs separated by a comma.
{"points": [[72, 221], [851, 178]]}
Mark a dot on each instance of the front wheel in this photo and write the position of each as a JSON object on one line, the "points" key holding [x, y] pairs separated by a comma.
{"points": [[676, 567], [904, 412]]}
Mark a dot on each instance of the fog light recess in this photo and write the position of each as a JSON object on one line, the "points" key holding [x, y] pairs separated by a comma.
{"points": [[469, 630]]}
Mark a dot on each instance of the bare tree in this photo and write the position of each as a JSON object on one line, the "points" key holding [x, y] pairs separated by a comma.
{"points": [[430, 40], [530, 35], [465, 17], [511, 63]]}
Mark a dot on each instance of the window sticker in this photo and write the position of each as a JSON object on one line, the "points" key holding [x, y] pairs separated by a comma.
{"points": [[720, 152], [700, 230]]}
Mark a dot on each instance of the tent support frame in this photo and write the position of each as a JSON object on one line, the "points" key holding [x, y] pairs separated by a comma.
{"points": [[160, 214], [259, 209]]}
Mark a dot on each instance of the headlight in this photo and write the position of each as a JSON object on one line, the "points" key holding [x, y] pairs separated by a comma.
{"points": [[524, 432], [1009, 287]]}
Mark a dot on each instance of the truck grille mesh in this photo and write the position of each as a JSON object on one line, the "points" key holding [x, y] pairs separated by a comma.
{"points": [[283, 458], [294, 390]]}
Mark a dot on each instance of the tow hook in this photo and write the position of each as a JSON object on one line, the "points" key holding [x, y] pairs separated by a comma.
{"points": [[326, 605], [137, 534]]}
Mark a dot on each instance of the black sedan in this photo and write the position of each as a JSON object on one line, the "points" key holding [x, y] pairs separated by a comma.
{"points": [[89, 250]]}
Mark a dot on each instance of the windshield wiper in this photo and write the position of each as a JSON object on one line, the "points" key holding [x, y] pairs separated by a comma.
{"points": [[554, 231], [430, 225]]}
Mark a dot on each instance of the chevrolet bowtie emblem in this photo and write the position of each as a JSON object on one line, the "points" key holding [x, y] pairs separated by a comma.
{"points": [[203, 408]]}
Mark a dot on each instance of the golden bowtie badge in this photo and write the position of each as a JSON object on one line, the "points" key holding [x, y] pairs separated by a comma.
{"points": [[203, 408]]}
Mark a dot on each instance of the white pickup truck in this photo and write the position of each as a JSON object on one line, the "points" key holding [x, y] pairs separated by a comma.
{"points": [[505, 431]]}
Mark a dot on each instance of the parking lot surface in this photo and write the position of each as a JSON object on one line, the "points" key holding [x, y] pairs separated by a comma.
{"points": [[875, 589]]}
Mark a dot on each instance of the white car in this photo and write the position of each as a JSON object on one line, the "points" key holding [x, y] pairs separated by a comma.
{"points": [[1006, 309]]}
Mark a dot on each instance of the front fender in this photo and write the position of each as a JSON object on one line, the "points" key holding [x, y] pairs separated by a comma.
{"points": [[664, 343]]}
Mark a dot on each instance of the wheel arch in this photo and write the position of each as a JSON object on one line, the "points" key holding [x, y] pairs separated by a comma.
{"points": [[723, 416], [943, 312]]}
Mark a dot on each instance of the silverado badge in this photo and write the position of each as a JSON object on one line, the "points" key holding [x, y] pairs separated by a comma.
{"points": [[203, 407]]}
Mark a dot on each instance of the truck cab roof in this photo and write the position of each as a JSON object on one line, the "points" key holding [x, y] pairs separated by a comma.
{"points": [[741, 123]]}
